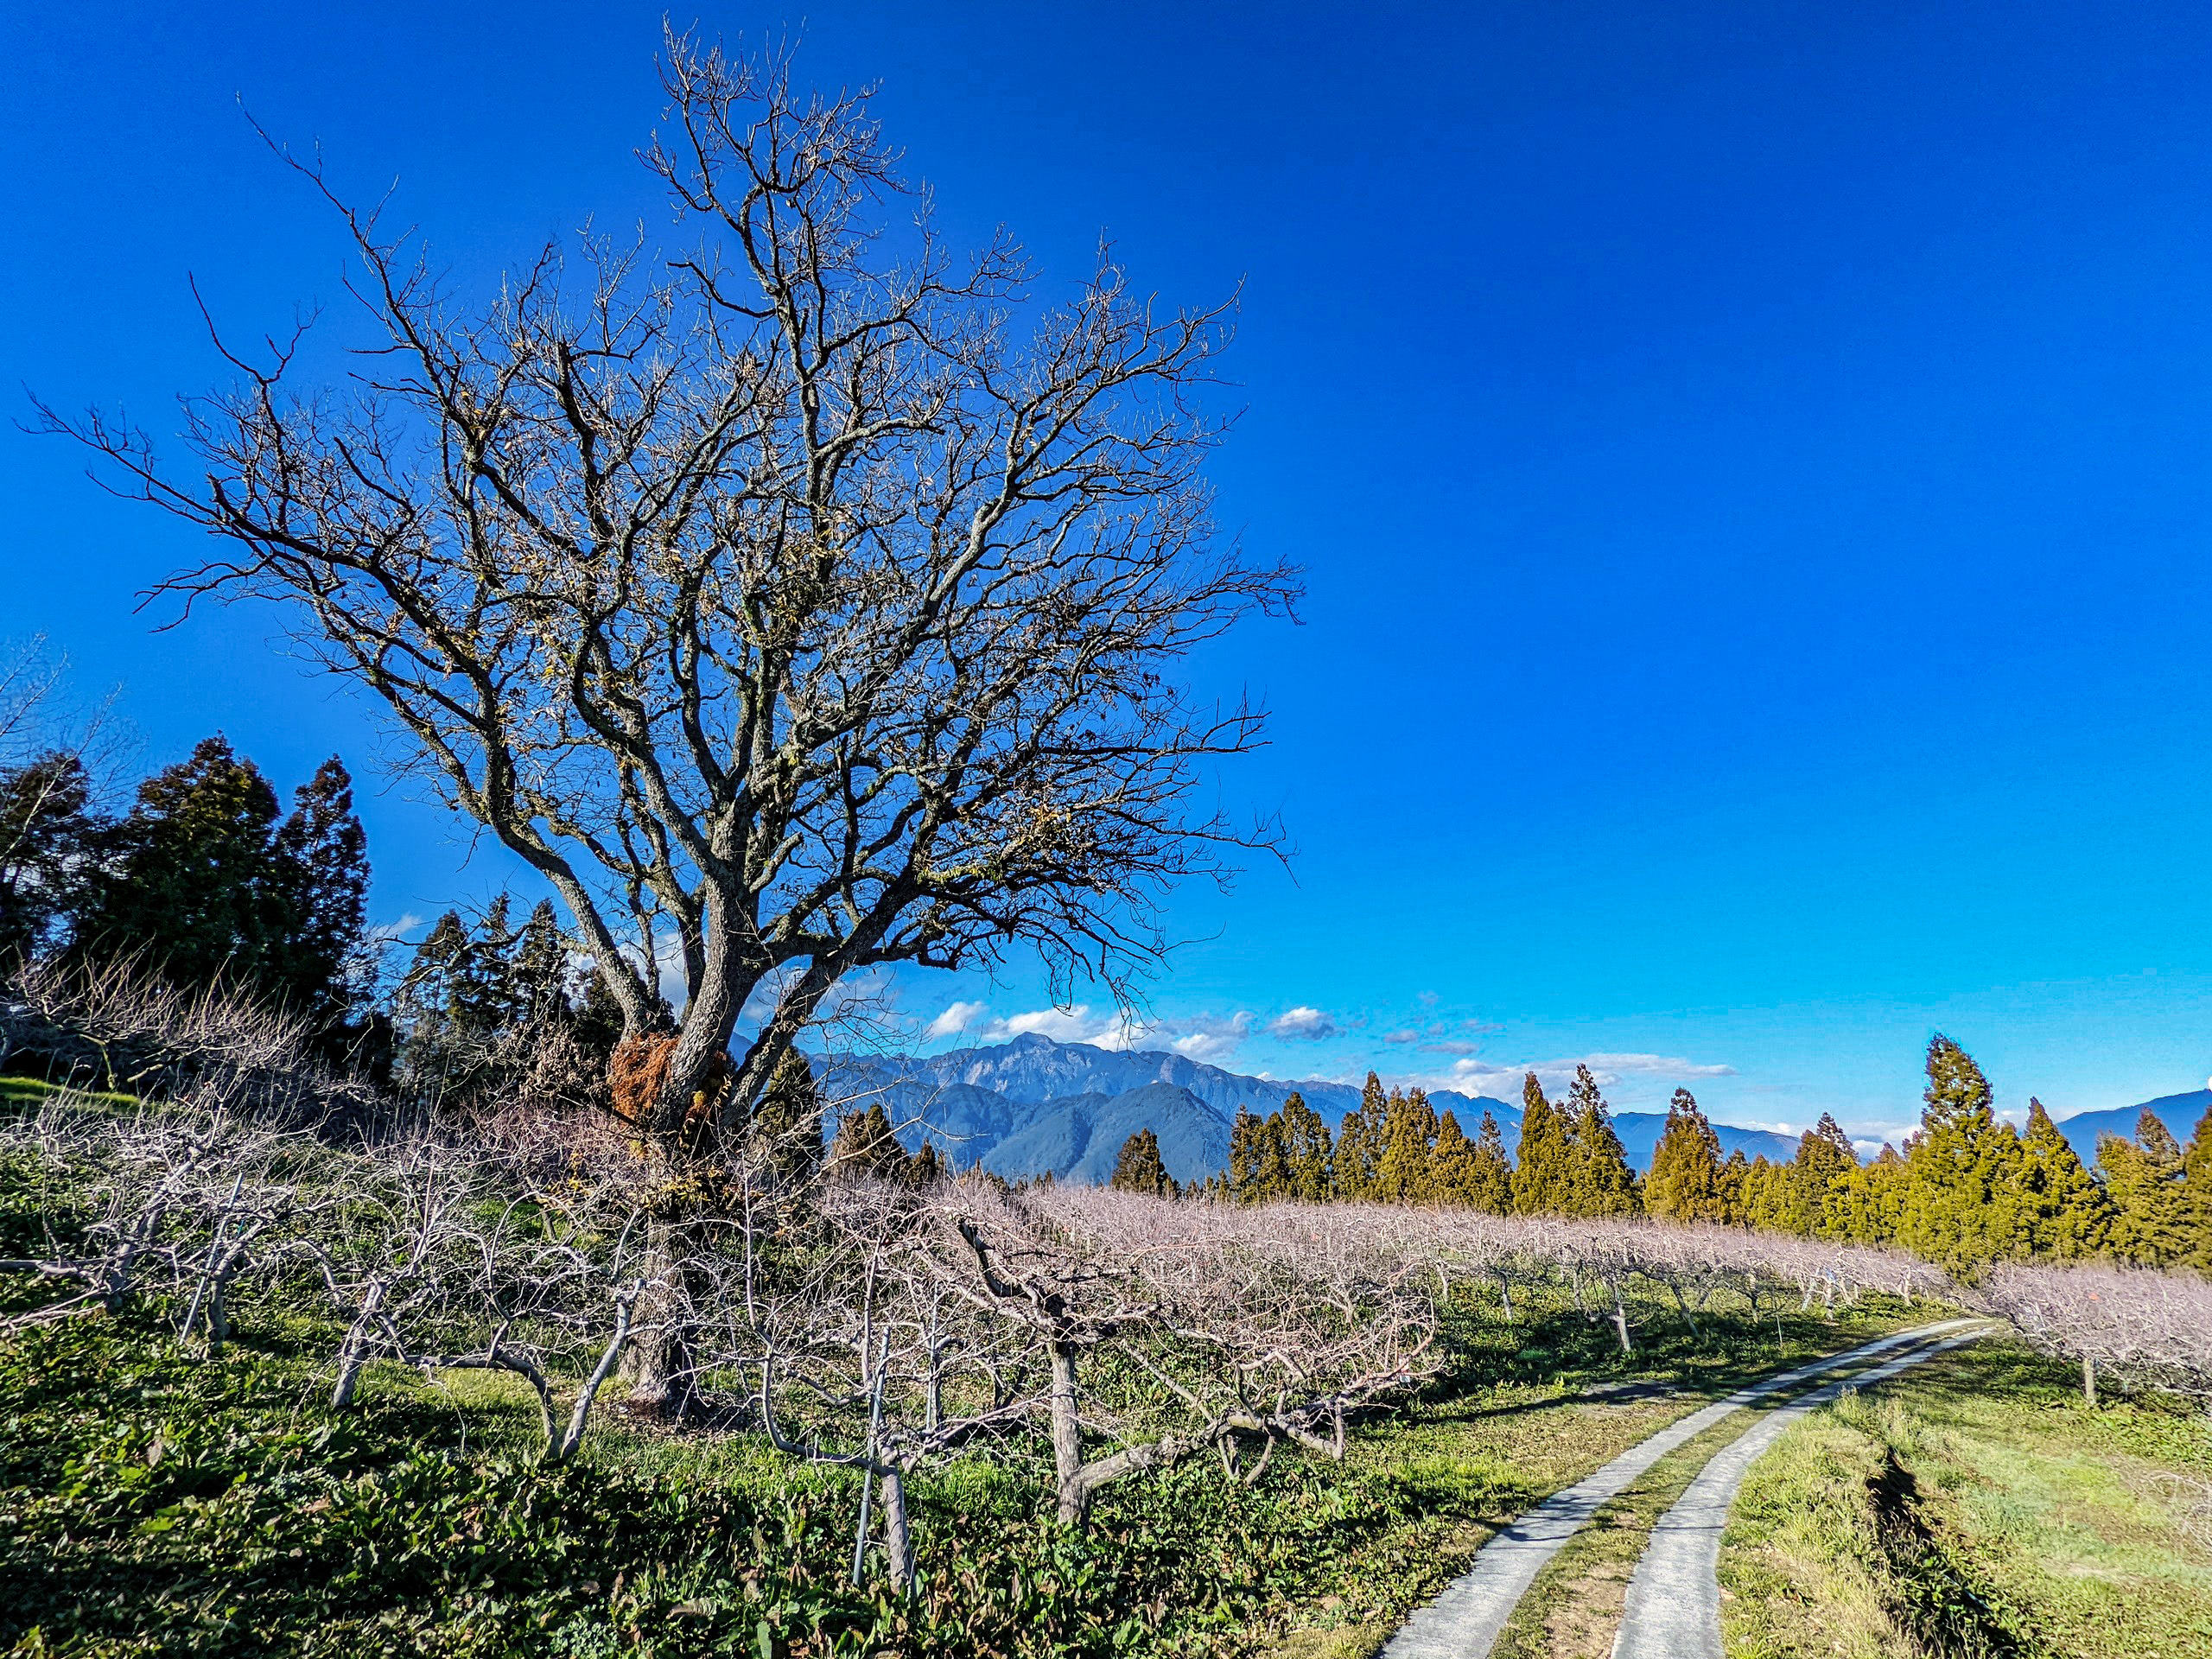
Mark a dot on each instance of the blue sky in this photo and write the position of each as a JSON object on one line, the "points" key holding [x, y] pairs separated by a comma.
{"points": [[1750, 463]]}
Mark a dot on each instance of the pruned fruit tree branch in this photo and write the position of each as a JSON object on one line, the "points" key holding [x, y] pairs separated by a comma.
{"points": [[797, 598]]}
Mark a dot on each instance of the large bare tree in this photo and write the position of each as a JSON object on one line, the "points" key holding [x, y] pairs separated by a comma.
{"points": [[800, 600]]}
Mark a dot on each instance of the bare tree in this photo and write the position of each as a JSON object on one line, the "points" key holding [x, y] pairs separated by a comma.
{"points": [[777, 593], [2135, 1323]]}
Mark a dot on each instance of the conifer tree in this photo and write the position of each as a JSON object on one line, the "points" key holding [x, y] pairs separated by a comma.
{"points": [[1490, 1178], [1734, 1174], [1244, 1157], [2196, 1195], [1959, 1204], [1451, 1178], [1684, 1180], [204, 882], [1360, 1143], [865, 1146], [1825, 1156], [2062, 1211], [1307, 1150], [1542, 1179], [2145, 1179], [1272, 1180], [785, 1128], [1139, 1168], [1602, 1184], [1404, 1172], [1767, 1195]]}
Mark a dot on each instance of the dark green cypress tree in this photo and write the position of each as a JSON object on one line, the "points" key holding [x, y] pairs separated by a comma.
{"points": [[1139, 1168], [1361, 1141], [188, 882], [1602, 1184], [1404, 1173], [1273, 1178], [320, 858], [1825, 1156], [2062, 1211], [864, 1145], [2145, 1179], [784, 1134], [1684, 1183], [1452, 1170], [1491, 1179], [1307, 1149], [2196, 1195], [1961, 1201], [1244, 1157], [49, 833], [1542, 1181]]}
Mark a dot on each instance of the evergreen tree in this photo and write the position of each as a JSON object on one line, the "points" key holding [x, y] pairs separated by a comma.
{"points": [[1959, 1204], [1734, 1176], [2062, 1211], [1542, 1177], [2145, 1179], [1601, 1182], [1307, 1150], [784, 1134], [864, 1145], [1244, 1157], [1139, 1168], [1404, 1174], [319, 855], [1767, 1200], [48, 834], [1272, 1180], [925, 1170], [1825, 1156], [1452, 1170], [1360, 1143], [204, 882], [1684, 1181], [1864, 1203], [2196, 1193], [1491, 1179]]}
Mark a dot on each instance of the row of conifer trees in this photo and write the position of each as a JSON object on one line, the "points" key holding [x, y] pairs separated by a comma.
{"points": [[1968, 1187]]}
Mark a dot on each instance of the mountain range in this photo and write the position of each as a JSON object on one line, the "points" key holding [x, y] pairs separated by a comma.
{"points": [[2179, 1113], [1032, 1105]]}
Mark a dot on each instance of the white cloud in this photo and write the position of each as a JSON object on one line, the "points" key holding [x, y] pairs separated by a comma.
{"points": [[1304, 1024], [1200, 1037], [1398, 1037], [1655, 1065], [1472, 1072], [957, 1018]]}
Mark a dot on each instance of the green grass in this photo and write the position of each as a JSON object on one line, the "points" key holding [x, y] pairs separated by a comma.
{"points": [[153, 1504], [1574, 1608], [22, 1094], [1977, 1508]]}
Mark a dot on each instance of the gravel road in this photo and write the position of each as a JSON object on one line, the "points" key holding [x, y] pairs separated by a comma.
{"points": [[1674, 1601], [1464, 1622]]}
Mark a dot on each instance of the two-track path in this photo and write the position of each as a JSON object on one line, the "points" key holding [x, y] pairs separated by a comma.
{"points": [[1464, 1622], [1673, 1609]]}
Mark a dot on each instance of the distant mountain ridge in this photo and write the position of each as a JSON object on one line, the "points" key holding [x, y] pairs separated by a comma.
{"points": [[1023, 1107], [2179, 1113]]}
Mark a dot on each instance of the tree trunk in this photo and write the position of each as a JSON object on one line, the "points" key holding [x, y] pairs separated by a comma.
{"points": [[1620, 1324], [898, 1536], [1067, 1439], [2089, 1379], [657, 1363]]}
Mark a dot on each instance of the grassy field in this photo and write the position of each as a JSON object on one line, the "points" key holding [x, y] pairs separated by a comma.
{"points": [[1978, 1508], [152, 1503]]}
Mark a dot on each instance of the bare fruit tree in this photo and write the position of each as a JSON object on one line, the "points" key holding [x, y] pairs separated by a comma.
{"points": [[795, 600]]}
